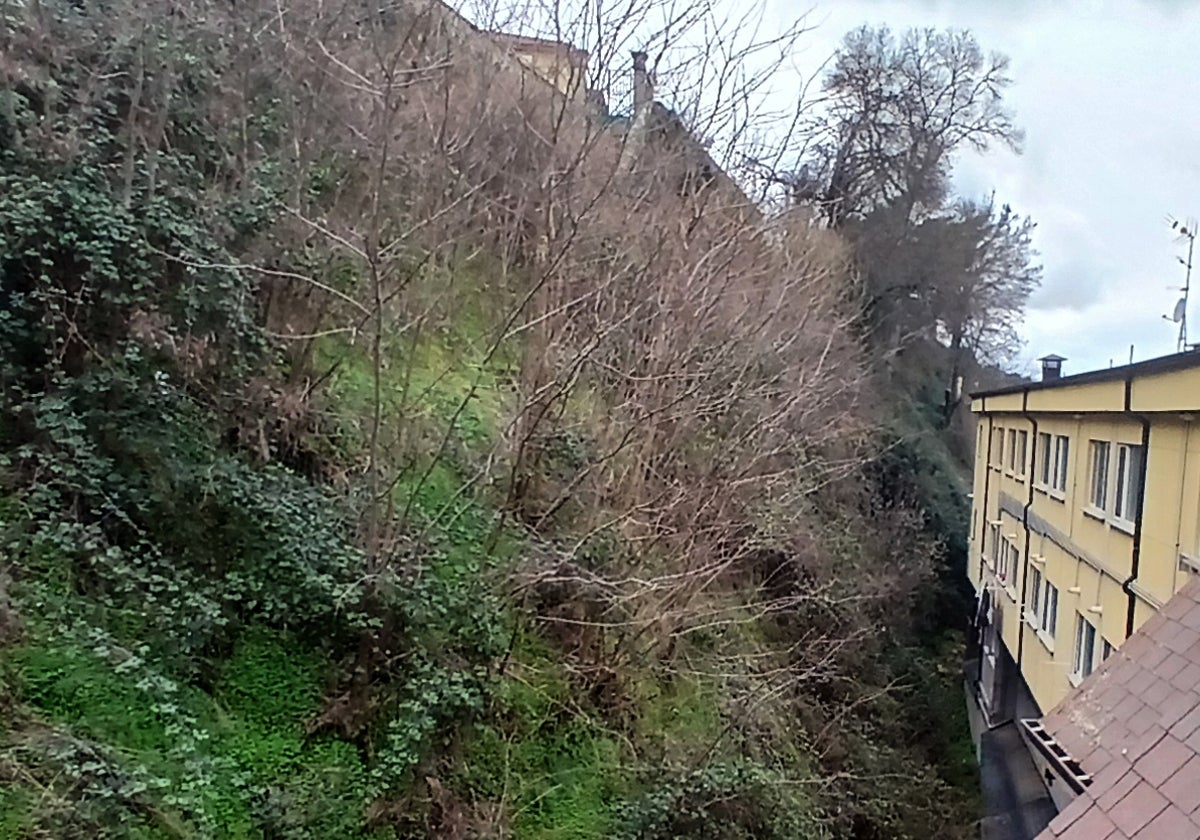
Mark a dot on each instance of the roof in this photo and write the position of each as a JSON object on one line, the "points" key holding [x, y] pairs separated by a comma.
{"points": [[535, 44], [1134, 725], [1163, 364], [1053, 357]]}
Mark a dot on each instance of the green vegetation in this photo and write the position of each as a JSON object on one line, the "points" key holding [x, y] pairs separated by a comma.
{"points": [[253, 740], [333, 506], [736, 801]]}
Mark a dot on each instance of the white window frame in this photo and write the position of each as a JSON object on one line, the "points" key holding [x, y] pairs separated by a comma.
{"points": [[1062, 458], [1006, 570], [1099, 469], [1022, 468], [1048, 613], [1035, 595], [1128, 489], [998, 447], [1087, 651], [1045, 466], [993, 551], [1011, 451]]}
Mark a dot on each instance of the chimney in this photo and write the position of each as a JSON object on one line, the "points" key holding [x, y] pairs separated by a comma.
{"points": [[1051, 367], [643, 84]]}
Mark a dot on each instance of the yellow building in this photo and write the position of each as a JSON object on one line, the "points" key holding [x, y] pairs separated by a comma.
{"points": [[555, 62], [1084, 523]]}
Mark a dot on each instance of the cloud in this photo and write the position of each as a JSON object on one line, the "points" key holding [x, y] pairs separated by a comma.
{"points": [[1106, 94], [1076, 287]]}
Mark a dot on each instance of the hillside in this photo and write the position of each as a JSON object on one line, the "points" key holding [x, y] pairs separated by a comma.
{"points": [[389, 448]]}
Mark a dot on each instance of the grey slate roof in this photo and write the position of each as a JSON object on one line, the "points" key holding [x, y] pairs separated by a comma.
{"points": [[1134, 724]]}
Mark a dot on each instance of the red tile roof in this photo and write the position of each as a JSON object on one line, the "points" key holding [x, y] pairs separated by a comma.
{"points": [[1134, 725]]}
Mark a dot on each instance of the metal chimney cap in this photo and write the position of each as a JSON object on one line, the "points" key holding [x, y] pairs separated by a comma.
{"points": [[1051, 367]]}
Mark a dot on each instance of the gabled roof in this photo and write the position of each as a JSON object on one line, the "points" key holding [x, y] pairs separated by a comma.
{"points": [[1134, 725]]}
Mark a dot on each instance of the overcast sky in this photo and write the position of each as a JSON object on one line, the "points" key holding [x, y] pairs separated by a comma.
{"points": [[1109, 96]]}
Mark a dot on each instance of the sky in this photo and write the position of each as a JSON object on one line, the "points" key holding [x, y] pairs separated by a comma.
{"points": [[1108, 94]]}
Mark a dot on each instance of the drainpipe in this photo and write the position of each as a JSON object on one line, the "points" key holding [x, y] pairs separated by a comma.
{"points": [[1136, 556], [1187, 445], [983, 519], [987, 483], [1032, 465]]}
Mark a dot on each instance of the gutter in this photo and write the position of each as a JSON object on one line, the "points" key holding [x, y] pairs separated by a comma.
{"points": [[1136, 555], [1065, 766], [1162, 364]]}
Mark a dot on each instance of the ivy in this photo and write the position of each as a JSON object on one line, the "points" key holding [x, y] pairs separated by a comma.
{"points": [[155, 517], [737, 800], [432, 697]]}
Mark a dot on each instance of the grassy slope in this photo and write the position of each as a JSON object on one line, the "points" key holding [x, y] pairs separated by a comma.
{"points": [[231, 750]]}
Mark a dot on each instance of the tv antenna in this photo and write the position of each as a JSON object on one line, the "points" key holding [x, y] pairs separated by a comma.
{"points": [[1186, 230]]}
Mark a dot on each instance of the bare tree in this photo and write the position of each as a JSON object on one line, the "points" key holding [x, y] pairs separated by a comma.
{"points": [[983, 291], [898, 110]]}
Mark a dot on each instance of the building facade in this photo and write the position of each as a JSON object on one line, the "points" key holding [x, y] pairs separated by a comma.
{"points": [[556, 62], [1085, 522]]}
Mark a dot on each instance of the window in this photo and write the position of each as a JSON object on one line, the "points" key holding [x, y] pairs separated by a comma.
{"points": [[1085, 647], [1048, 611], [1035, 596], [1098, 495], [1043, 604], [1012, 449], [1129, 485], [1045, 458], [1022, 452], [1006, 567], [998, 447], [1062, 455], [1108, 649], [995, 534]]}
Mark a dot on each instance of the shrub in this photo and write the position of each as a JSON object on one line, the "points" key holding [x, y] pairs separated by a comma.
{"points": [[722, 801], [154, 519]]}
